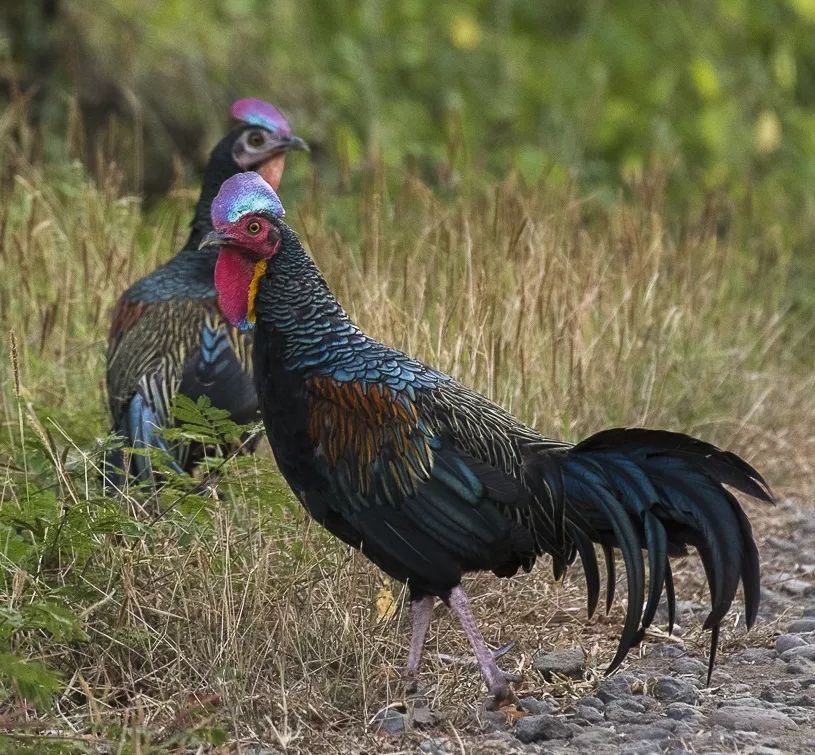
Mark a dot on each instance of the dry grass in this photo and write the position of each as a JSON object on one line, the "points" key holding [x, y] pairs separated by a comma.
{"points": [[233, 617]]}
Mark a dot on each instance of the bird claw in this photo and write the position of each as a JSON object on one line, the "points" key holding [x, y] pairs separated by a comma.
{"points": [[410, 685], [500, 697], [460, 660], [503, 650]]}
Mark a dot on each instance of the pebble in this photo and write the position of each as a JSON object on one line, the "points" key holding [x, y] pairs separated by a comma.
{"points": [[802, 651], [629, 710], [495, 720], [642, 748], [779, 690], [668, 650], [594, 737], [615, 687], [671, 690], [541, 728], [781, 545], [436, 746], [588, 714], [390, 721], [536, 706], [801, 626], [744, 702], [683, 712], [592, 702], [772, 602], [740, 689], [651, 732], [569, 662], [493, 744], [801, 716], [751, 719], [754, 655], [797, 587], [421, 715], [688, 665], [801, 666], [786, 642]]}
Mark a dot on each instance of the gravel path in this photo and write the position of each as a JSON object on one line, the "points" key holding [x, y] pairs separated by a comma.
{"points": [[761, 699]]}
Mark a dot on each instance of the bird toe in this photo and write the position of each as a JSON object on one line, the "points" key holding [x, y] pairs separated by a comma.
{"points": [[500, 697]]}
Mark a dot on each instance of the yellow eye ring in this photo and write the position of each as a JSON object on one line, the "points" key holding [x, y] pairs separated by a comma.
{"points": [[253, 227]]}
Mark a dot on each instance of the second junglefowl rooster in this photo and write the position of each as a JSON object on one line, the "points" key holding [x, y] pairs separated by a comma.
{"points": [[431, 480], [167, 336]]}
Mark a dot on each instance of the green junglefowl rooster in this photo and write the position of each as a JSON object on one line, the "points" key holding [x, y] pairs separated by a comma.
{"points": [[167, 335], [431, 480]]}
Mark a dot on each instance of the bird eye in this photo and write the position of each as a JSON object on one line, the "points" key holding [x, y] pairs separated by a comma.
{"points": [[253, 227], [255, 139]]}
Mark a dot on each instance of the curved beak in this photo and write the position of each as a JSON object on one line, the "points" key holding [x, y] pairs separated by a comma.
{"points": [[289, 142], [214, 239]]}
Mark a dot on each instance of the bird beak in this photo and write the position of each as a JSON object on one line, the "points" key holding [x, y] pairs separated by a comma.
{"points": [[214, 239], [290, 142]]}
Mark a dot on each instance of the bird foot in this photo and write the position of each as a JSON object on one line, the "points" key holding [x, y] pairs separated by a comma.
{"points": [[410, 685], [410, 691], [499, 697]]}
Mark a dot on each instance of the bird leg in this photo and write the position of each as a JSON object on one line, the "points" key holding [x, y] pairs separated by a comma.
{"points": [[420, 611], [500, 692]]}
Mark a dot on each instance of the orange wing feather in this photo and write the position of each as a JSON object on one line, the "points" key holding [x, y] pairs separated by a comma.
{"points": [[357, 425]]}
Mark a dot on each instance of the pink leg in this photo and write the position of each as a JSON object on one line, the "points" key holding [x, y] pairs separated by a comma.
{"points": [[500, 692], [420, 610]]}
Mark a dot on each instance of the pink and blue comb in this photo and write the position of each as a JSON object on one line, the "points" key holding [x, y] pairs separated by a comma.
{"points": [[244, 193], [259, 113]]}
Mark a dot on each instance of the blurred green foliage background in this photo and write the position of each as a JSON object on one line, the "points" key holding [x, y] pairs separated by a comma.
{"points": [[719, 93]]}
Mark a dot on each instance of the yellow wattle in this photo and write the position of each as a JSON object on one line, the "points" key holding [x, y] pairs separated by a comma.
{"points": [[260, 271]]}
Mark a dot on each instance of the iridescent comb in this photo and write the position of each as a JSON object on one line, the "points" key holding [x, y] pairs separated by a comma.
{"points": [[244, 193], [259, 113]]}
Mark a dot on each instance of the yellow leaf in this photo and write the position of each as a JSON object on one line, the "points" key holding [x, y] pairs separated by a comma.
{"points": [[385, 605], [465, 32], [767, 132]]}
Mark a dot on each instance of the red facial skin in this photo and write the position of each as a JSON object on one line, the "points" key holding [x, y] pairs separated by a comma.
{"points": [[237, 264]]}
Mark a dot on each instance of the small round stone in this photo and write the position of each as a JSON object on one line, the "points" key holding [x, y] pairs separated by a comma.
{"points": [[786, 642], [682, 712], [671, 690], [541, 728], [760, 720], [801, 626], [390, 721], [570, 662]]}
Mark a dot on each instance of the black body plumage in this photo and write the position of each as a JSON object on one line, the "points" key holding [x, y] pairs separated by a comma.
{"points": [[432, 480]]}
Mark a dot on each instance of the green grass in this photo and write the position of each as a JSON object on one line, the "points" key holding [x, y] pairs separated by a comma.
{"points": [[231, 619]]}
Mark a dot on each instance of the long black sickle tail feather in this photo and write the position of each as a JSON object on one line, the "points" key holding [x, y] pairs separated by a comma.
{"points": [[658, 492]]}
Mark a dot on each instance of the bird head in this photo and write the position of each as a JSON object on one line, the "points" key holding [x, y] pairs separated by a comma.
{"points": [[246, 218], [262, 139]]}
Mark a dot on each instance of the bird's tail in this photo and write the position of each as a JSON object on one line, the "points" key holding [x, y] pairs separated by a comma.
{"points": [[139, 429], [658, 492], [112, 475]]}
